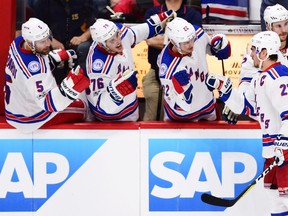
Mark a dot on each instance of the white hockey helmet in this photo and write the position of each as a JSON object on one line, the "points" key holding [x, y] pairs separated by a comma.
{"points": [[34, 30], [102, 30], [179, 30], [274, 14], [268, 40]]}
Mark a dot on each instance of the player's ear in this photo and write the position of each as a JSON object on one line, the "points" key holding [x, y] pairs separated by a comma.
{"points": [[264, 53]]}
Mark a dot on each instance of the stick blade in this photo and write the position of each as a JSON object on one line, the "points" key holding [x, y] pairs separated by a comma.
{"points": [[212, 200]]}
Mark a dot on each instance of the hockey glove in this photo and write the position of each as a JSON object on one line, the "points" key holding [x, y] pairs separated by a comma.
{"points": [[229, 116], [220, 46], [60, 55], [123, 85], [181, 83], [74, 83], [157, 22], [281, 150], [221, 83]]}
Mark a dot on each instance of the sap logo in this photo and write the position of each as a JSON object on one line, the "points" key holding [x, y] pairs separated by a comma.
{"points": [[181, 170], [185, 186], [15, 165], [33, 170]]}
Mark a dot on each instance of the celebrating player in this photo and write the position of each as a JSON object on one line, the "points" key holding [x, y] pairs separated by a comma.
{"points": [[110, 66], [32, 97], [267, 97], [276, 19], [183, 69]]}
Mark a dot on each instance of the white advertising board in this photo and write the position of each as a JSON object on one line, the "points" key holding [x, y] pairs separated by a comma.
{"points": [[137, 172]]}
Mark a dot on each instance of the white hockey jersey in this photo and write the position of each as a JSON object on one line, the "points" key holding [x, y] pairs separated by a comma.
{"points": [[31, 94], [248, 70], [102, 67], [267, 97], [202, 105]]}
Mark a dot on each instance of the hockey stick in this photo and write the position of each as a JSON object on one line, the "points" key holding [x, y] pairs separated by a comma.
{"points": [[213, 200], [223, 68]]}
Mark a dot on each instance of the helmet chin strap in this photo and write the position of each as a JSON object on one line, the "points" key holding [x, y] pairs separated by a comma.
{"points": [[177, 47], [179, 50], [261, 61]]}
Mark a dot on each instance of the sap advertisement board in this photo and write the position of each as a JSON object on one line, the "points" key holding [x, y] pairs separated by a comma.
{"points": [[131, 172]]}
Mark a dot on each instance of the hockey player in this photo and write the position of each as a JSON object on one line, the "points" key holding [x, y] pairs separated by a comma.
{"points": [[267, 97], [110, 66], [276, 19], [32, 97], [183, 69]]}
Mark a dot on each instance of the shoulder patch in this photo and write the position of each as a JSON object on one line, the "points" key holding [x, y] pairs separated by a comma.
{"points": [[33, 66], [162, 69], [97, 65]]}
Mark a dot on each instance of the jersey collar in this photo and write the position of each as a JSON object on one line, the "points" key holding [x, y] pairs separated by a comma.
{"points": [[271, 66], [105, 51]]}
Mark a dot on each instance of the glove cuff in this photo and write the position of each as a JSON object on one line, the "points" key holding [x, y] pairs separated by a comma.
{"points": [[281, 142], [114, 93], [67, 91]]}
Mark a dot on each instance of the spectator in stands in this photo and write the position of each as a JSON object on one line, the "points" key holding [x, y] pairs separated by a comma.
{"points": [[183, 70], [266, 3], [136, 8], [32, 96], [221, 11], [151, 83], [23, 13], [112, 93], [69, 20]]}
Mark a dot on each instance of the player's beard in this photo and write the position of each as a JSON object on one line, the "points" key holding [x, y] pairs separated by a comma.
{"points": [[44, 51]]}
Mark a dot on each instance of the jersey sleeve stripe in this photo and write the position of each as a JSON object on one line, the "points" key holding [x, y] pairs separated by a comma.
{"points": [[172, 67], [39, 117], [199, 32], [124, 31], [19, 61], [107, 64], [268, 140], [48, 103], [273, 73], [209, 108], [284, 115], [42, 65], [128, 110]]}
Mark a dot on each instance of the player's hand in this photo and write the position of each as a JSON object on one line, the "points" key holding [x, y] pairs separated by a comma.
{"points": [[229, 116], [220, 46], [61, 55], [281, 150], [123, 85], [72, 61], [221, 83], [159, 21], [74, 83]]}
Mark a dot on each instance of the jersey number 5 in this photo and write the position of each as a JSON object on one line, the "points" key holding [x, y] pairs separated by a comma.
{"points": [[7, 90]]}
